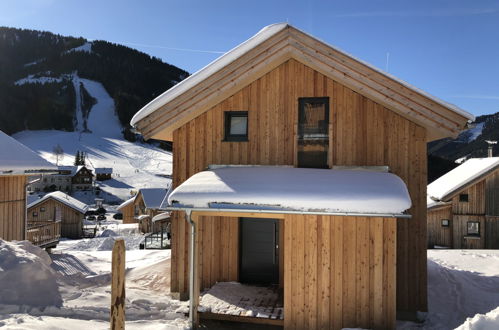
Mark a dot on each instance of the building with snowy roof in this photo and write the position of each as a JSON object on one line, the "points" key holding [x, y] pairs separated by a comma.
{"points": [[343, 222], [103, 173], [67, 179], [17, 163], [59, 207], [463, 206], [143, 207]]}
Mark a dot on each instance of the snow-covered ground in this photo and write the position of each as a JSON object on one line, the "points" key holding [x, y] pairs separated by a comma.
{"points": [[79, 276], [461, 284], [135, 165], [73, 291]]}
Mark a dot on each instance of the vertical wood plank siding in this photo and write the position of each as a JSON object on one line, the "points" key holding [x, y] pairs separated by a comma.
{"points": [[362, 132], [128, 213], [438, 235], [475, 203], [71, 220], [12, 207]]}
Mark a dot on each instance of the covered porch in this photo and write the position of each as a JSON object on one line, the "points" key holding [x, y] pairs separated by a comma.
{"points": [[334, 241]]}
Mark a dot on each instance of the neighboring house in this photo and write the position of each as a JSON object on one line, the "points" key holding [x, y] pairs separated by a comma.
{"points": [[463, 206], [146, 205], [17, 163], [60, 207], [127, 209], [286, 98], [68, 179], [103, 173]]}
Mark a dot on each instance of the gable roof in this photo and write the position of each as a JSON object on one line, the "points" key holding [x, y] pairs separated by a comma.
{"points": [[272, 46], [127, 202], [63, 198], [466, 174], [153, 197], [17, 159]]}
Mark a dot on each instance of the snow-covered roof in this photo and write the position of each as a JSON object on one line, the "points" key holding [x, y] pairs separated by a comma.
{"points": [[72, 169], [17, 159], [153, 197], [452, 182], [103, 170], [161, 216], [127, 202], [63, 198], [298, 189], [239, 51]]}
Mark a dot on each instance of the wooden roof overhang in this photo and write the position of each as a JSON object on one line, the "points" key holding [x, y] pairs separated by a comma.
{"points": [[205, 89]]}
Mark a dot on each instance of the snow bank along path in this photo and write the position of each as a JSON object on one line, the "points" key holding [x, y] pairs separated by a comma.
{"points": [[26, 277]]}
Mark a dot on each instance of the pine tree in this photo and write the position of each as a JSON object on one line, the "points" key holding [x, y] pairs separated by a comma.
{"points": [[77, 158]]}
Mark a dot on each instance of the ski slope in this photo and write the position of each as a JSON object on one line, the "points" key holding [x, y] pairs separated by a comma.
{"points": [[135, 165]]}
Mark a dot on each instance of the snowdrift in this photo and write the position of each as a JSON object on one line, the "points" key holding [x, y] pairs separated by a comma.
{"points": [[489, 321], [26, 277]]}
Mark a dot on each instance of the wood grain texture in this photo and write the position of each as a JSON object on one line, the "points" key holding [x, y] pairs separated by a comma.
{"points": [[12, 207], [362, 132], [437, 234], [368, 246], [118, 296]]}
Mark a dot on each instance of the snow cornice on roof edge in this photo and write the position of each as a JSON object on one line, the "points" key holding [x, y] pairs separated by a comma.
{"points": [[146, 120]]}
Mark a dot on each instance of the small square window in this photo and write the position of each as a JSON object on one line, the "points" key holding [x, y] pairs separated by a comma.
{"points": [[35, 214], [42, 209], [236, 126], [473, 228], [463, 198], [445, 222]]}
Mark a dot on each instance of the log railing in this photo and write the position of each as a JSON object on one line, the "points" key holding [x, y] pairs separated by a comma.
{"points": [[42, 233]]}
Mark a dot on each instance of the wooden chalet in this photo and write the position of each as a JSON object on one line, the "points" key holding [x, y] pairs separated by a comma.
{"points": [[463, 206], [103, 173], [143, 207], [17, 163], [59, 207], [127, 208], [284, 97]]}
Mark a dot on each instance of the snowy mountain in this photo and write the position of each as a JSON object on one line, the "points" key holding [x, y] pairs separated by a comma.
{"points": [[471, 142], [39, 86], [98, 133]]}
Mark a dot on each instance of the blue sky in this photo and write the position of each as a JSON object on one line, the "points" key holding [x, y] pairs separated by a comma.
{"points": [[449, 48]]}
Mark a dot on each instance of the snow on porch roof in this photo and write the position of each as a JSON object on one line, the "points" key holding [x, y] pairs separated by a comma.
{"points": [[294, 189], [17, 159]]}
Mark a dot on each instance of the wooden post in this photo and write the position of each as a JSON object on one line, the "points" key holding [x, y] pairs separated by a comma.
{"points": [[118, 286]]}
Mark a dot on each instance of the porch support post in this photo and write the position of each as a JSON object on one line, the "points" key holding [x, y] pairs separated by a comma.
{"points": [[193, 288]]}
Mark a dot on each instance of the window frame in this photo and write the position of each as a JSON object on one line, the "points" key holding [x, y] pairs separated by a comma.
{"points": [[35, 214], [227, 119], [468, 234], [463, 199], [42, 209], [445, 223]]}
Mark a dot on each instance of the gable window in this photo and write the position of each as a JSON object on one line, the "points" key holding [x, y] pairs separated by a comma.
{"points": [[445, 222], [236, 126], [313, 132], [463, 198], [35, 214], [42, 209], [473, 228]]}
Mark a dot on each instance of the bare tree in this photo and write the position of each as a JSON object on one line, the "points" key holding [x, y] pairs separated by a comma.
{"points": [[58, 153]]}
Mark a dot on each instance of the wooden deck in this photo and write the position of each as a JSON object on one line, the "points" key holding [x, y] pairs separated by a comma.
{"points": [[44, 234], [232, 301]]}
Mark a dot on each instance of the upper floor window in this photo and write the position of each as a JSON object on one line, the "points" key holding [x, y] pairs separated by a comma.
{"points": [[236, 126], [463, 198], [313, 132]]}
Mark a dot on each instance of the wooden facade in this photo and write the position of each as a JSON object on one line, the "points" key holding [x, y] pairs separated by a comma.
{"points": [[53, 210], [128, 213], [12, 207], [481, 206], [336, 280], [361, 132]]}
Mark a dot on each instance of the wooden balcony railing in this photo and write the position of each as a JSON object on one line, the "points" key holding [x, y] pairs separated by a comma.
{"points": [[44, 233]]}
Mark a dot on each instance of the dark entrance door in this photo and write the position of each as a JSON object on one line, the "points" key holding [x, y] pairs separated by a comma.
{"points": [[259, 262]]}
